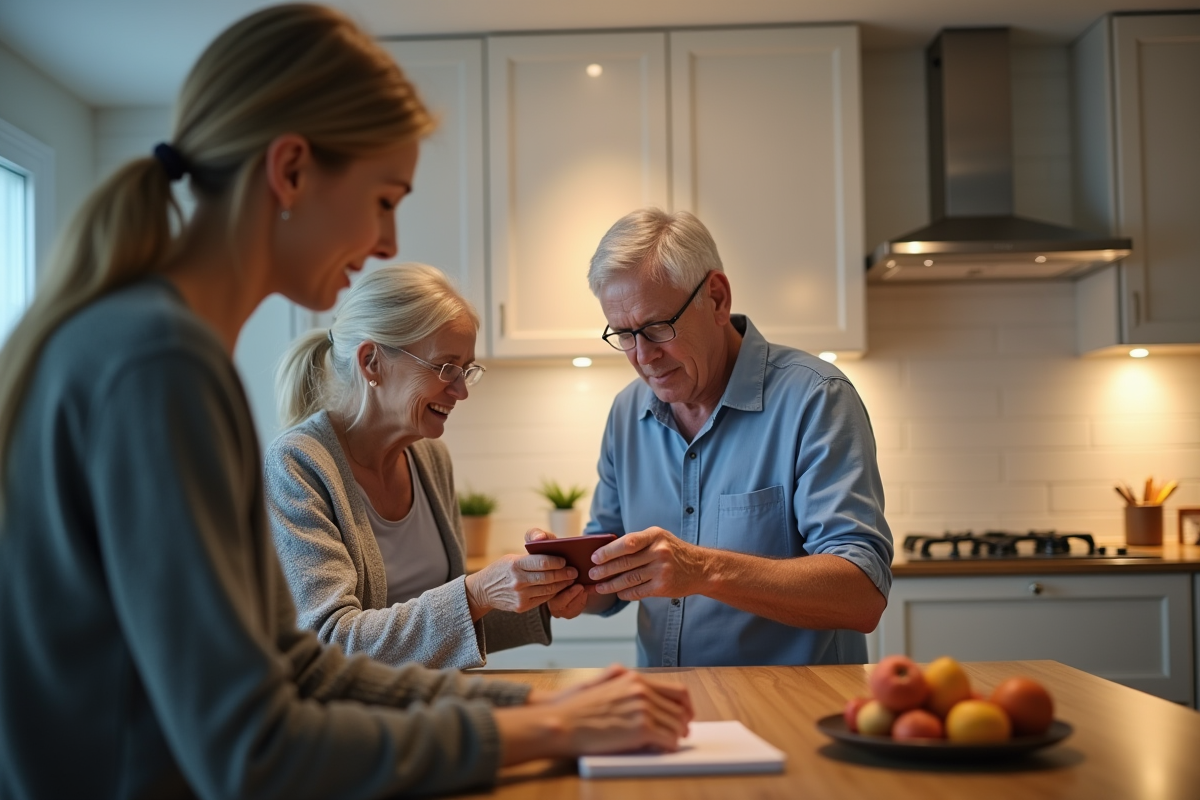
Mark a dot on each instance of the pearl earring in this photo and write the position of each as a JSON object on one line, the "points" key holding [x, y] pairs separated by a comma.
{"points": [[374, 383], [285, 215]]}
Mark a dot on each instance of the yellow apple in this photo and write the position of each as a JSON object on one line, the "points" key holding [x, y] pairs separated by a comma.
{"points": [[874, 719], [948, 684]]}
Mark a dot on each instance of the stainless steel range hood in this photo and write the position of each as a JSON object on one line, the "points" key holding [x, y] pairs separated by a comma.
{"points": [[975, 235]]}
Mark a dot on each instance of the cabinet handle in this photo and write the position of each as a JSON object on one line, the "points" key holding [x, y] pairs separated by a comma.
{"points": [[1036, 588], [502, 320], [1137, 309]]}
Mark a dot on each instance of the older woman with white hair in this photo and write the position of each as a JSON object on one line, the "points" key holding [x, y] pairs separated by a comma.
{"points": [[361, 493]]}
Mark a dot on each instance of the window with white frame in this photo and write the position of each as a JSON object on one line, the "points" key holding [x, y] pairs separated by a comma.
{"points": [[26, 218]]}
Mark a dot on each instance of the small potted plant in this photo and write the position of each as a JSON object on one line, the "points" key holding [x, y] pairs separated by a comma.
{"points": [[476, 509], [565, 518]]}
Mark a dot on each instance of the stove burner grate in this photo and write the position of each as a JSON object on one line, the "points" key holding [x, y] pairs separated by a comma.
{"points": [[1008, 544]]}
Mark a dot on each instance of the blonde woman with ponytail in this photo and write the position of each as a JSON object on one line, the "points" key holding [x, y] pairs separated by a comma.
{"points": [[361, 493], [148, 645]]}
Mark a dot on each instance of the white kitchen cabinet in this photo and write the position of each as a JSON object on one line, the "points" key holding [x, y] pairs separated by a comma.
{"points": [[1136, 630], [442, 224], [586, 641], [1137, 167], [767, 152], [578, 135]]}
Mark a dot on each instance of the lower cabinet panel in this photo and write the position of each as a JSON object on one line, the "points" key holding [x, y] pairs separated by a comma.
{"points": [[586, 641], [1136, 630]]}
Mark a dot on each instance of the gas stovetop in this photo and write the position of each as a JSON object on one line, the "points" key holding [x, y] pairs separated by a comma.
{"points": [[1010, 544]]}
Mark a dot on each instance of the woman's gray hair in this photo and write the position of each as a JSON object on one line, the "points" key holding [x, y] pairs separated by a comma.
{"points": [[672, 249], [393, 306]]}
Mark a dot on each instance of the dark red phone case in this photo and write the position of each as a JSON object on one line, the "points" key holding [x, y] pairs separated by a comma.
{"points": [[577, 550]]}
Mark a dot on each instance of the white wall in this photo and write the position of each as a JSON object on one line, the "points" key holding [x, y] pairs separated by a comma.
{"points": [[37, 105]]}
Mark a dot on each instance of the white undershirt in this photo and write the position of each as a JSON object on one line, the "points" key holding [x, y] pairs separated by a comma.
{"points": [[414, 558]]}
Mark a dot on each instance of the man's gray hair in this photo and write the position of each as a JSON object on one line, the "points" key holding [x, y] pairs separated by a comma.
{"points": [[672, 249]]}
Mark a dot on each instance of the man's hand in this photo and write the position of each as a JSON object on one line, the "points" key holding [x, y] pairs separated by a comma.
{"points": [[650, 563]]}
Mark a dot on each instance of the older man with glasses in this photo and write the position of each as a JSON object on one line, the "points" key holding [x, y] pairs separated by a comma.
{"points": [[740, 475]]}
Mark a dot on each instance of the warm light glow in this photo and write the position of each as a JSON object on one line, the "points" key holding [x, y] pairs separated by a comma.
{"points": [[1040, 259], [594, 70], [891, 264], [582, 361], [1139, 352], [828, 356], [929, 262]]}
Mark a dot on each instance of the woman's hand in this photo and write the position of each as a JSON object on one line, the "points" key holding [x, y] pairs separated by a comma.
{"points": [[615, 712], [517, 583]]}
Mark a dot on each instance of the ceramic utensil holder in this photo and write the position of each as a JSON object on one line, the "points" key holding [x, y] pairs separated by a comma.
{"points": [[1143, 525]]}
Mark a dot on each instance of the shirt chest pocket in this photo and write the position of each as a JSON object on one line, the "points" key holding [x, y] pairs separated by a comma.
{"points": [[754, 523]]}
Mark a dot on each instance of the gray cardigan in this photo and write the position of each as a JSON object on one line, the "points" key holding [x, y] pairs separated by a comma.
{"points": [[336, 572], [148, 645]]}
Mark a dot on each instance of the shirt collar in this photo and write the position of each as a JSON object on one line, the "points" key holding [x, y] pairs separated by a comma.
{"points": [[745, 388]]}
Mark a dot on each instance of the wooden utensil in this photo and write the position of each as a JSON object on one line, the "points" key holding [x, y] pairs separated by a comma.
{"points": [[1148, 494], [1165, 492], [1126, 494]]}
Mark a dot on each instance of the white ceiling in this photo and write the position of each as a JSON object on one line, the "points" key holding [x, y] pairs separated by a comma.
{"points": [[136, 52]]}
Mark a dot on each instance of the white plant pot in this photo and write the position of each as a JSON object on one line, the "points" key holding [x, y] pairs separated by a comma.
{"points": [[566, 522]]}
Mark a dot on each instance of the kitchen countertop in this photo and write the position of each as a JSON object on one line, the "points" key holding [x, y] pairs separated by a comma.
{"points": [[1126, 743], [1173, 557]]}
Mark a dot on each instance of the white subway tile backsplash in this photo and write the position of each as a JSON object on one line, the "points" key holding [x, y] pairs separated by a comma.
{"points": [[1128, 464], [924, 404], [1007, 434], [987, 498], [956, 468], [934, 342], [1147, 431], [1049, 340]]}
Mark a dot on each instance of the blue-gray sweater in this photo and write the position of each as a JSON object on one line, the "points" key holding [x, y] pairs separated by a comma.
{"points": [[148, 645]]}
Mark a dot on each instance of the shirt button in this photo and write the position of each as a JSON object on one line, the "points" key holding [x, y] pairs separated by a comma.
{"points": [[674, 601], [690, 510], [692, 455]]}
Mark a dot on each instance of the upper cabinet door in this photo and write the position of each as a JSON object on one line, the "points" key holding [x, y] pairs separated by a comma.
{"points": [[442, 224], [767, 152], [1157, 108], [578, 139]]}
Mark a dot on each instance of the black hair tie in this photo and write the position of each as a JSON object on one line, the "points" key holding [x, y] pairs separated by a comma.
{"points": [[172, 162]]}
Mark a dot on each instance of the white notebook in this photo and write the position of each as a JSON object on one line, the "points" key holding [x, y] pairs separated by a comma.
{"points": [[711, 748]]}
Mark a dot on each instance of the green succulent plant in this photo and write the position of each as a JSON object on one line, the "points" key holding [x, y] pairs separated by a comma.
{"points": [[476, 504], [563, 498]]}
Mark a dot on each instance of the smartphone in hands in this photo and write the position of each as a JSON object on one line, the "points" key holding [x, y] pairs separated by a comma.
{"points": [[577, 550]]}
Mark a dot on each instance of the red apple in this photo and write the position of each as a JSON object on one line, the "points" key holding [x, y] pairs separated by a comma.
{"points": [[917, 724], [874, 719], [850, 714], [897, 682]]}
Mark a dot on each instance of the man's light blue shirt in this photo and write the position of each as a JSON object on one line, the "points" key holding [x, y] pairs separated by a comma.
{"points": [[784, 468]]}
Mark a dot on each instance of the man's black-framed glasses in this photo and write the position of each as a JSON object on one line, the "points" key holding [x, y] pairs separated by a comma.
{"points": [[657, 332], [449, 373]]}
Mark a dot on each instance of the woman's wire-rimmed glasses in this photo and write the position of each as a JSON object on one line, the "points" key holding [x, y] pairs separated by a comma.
{"points": [[657, 332], [449, 373]]}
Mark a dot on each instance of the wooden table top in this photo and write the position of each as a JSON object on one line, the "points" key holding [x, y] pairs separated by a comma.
{"points": [[1126, 744]]}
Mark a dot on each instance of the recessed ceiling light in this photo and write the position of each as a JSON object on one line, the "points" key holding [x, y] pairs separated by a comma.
{"points": [[1139, 352], [1040, 259], [828, 356], [594, 70], [929, 262], [582, 361]]}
